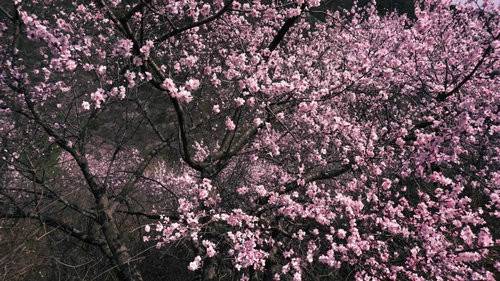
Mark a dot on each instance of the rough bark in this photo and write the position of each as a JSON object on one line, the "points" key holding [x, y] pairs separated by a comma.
{"points": [[127, 271]]}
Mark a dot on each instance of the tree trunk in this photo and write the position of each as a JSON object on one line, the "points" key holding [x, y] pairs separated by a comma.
{"points": [[127, 271]]}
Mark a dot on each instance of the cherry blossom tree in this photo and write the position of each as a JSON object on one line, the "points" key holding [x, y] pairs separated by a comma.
{"points": [[275, 140]]}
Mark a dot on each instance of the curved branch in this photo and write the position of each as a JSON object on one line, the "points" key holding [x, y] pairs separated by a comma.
{"points": [[444, 95], [66, 228], [196, 24], [283, 30]]}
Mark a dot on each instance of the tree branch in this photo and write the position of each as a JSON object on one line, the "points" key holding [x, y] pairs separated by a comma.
{"points": [[444, 95], [177, 31], [76, 233], [283, 30]]}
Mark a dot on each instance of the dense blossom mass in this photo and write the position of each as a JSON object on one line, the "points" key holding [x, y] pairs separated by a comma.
{"points": [[291, 142]]}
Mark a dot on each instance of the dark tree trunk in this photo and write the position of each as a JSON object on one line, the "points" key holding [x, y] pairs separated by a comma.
{"points": [[127, 271]]}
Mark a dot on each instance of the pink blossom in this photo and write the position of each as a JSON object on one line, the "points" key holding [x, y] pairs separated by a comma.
{"points": [[467, 235], [195, 264], [484, 238], [210, 248], [205, 10], [239, 102], [230, 124], [182, 95], [146, 48], [192, 84], [169, 85], [386, 184], [97, 97], [341, 233], [86, 105], [242, 190], [123, 48]]}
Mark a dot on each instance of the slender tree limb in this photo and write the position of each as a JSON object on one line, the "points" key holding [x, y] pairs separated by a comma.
{"points": [[444, 95], [68, 229], [7, 14], [207, 20], [283, 31]]}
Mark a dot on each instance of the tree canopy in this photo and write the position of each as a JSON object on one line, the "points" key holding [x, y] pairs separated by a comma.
{"points": [[253, 140]]}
